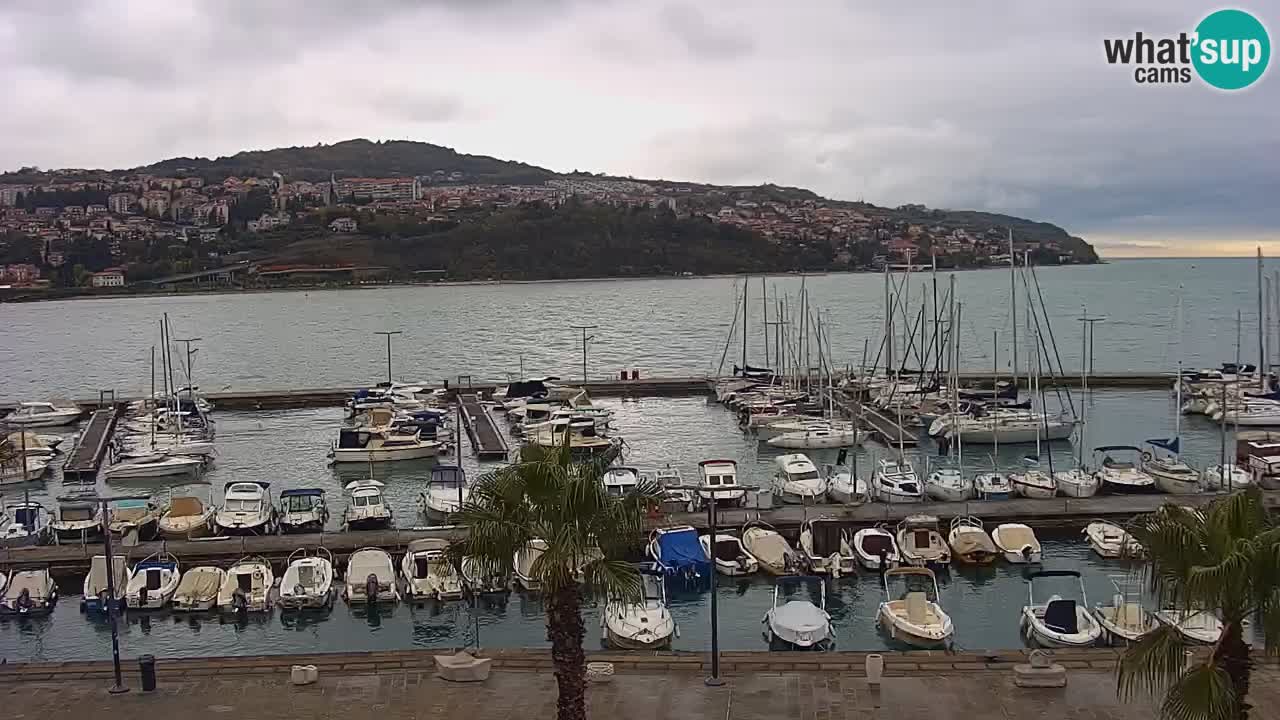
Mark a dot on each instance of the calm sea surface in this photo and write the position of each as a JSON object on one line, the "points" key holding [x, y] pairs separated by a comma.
{"points": [[288, 448], [661, 327]]}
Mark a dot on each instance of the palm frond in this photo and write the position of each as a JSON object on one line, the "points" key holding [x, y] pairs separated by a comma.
{"points": [[1269, 615], [1152, 664], [1204, 692], [615, 580]]}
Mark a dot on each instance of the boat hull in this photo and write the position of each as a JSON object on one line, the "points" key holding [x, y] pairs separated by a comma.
{"points": [[1018, 436], [1177, 485], [943, 493], [77, 535], [902, 634], [644, 642], [342, 455], [204, 529]]}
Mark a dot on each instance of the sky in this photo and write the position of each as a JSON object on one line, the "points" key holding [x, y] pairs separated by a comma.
{"points": [[999, 106]]}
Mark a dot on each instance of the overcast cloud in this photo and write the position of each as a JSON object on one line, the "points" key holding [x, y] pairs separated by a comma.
{"points": [[1002, 106]]}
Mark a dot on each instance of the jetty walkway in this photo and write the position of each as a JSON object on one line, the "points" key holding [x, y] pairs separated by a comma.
{"points": [[920, 685]]}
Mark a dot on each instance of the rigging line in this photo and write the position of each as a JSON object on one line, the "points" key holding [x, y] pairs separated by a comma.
{"points": [[1049, 325]]}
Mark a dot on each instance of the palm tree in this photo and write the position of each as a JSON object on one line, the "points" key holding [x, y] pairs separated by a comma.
{"points": [[1225, 559], [550, 496]]}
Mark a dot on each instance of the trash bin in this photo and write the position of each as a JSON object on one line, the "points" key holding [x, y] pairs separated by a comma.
{"points": [[147, 668]]}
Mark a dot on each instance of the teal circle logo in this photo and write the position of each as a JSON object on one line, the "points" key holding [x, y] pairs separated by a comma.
{"points": [[1231, 49]]}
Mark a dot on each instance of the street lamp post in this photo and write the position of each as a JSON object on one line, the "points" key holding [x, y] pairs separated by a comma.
{"points": [[585, 338], [112, 602], [715, 680], [388, 334]]}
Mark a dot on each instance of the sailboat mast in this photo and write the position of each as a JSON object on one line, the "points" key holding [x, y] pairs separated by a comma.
{"points": [[746, 292], [955, 386], [995, 389], [764, 320], [1262, 352], [1084, 384], [1177, 402], [153, 397], [1013, 305], [888, 324]]}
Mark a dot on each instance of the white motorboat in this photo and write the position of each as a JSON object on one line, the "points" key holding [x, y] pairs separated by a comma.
{"points": [[643, 625], [155, 465], [992, 486], [619, 481], [797, 481], [675, 498], [1227, 478], [1172, 475], [198, 589], [522, 564], [1076, 483], [27, 524], [246, 508], [816, 438], [1125, 621], [446, 492], [1253, 413], [1034, 483], [134, 516], [913, 616], [844, 486], [1197, 626], [187, 517], [22, 469], [1059, 622], [948, 484], [876, 547], [77, 520], [828, 547], [798, 624], [307, 582], [1124, 477], [367, 508], [895, 481], [772, 551], [153, 582], [771, 426], [247, 587], [920, 543], [29, 593], [93, 599], [720, 483], [478, 581], [370, 577], [174, 446], [1109, 540], [30, 444], [584, 438], [1018, 543], [302, 510], [42, 414], [428, 573], [1010, 427], [970, 543], [729, 555], [380, 440]]}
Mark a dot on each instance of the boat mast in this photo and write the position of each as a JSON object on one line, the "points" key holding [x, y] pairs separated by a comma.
{"points": [[888, 325], [955, 386], [1013, 305], [1084, 384], [153, 398], [764, 321], [995, 389], [937, 343], [1177, 402], [1262, 351], [746, 291]]}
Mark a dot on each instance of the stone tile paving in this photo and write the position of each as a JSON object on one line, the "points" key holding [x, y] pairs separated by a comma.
{"points": [[530, 695]]}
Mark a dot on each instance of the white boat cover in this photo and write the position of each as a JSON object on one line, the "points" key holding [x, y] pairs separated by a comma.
{"points": [[973, 541], [766, 546], [199, 584], [1015, 537]]}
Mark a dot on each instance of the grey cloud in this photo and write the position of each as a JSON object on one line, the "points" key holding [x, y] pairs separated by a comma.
{"points": [[700, 37]]}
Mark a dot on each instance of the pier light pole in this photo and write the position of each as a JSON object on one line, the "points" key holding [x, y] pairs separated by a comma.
{"points": [[715, 680], [585, 338], [1086, 348], [388, 334], [112, 603]]}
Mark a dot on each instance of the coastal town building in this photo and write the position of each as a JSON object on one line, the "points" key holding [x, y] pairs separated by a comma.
{"points": [[111, 277], [379, 188]]}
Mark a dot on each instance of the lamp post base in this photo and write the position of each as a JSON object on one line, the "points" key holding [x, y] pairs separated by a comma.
{"points": [[713, 682], [118, 690]]}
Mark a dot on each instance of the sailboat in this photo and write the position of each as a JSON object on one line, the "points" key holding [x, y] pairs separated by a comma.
{"points": [[1171, 474], [1078, 482]]}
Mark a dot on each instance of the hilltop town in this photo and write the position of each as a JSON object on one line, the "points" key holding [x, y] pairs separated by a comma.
{"points": [[199, 223]]}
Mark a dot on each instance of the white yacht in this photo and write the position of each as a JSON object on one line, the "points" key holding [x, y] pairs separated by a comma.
{"points": [[26, 523], [153, 582], [186, 518], [380, 441], [1200, 627], [445, 494], [1171, 474], [308, 580], [720, 476], [1034, 483], [77, 520], [798, 624], [583, 436], [1010, 427], [816, 438], [844, 487], [247, 587], [153, 465], [920, 543], [428, 573], [876, 547], [198, 589], [1076, 483], [643, 625], [1059, 622], [371, 577], [1124, 477], [1109, 540], [302, 510], [1227, 477], [29, 592], [729, 555], [367, 509], [246, 508], [619, 481], [828, 547], [42, 414], [895, 481], [1018, 542], [992, 486], [948, 484], [797, 481], [912, 616]]}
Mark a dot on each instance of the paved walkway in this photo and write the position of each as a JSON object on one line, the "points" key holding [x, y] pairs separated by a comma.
{"points": [[530, 695]]}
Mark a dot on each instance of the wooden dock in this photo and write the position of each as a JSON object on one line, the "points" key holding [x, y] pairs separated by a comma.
{"points": [[91, 449], [486, 440], [886, 429], [1057, 514]]}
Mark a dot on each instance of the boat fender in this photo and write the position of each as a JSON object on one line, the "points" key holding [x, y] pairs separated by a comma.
{"points": [[1146, 456]]}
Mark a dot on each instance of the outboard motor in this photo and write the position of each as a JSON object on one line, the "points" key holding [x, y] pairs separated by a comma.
{"points": [[239, 602], [371, 588], [24, 602]]}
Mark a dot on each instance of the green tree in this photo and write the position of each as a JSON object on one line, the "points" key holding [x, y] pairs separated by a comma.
{"points": [[1223, 559], [550, 496]]}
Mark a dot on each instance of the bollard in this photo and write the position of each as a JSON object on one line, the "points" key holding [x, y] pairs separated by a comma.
{"points": [[147, 668]]}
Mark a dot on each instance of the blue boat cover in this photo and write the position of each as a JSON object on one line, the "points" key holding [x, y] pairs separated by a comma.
{"points": [[679, 552], [301, 491]]}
